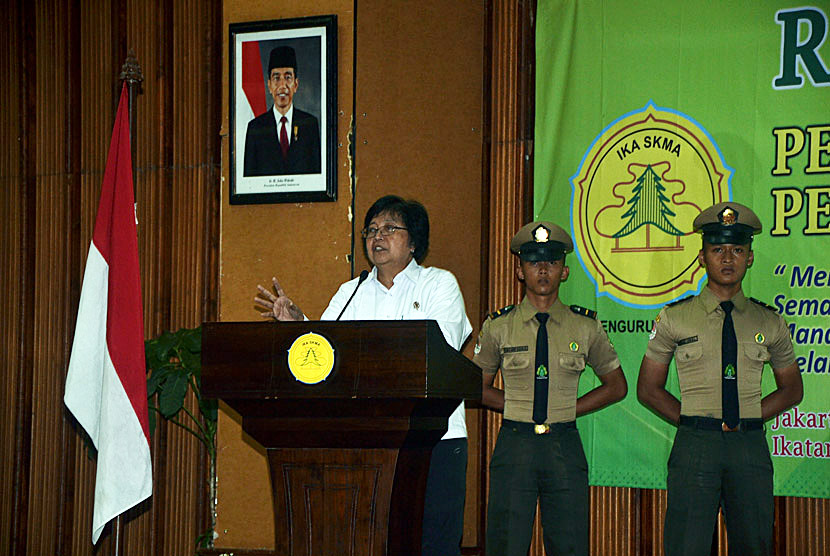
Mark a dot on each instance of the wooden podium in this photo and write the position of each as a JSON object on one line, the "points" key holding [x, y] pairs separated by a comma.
{"points": [[349, 455]]}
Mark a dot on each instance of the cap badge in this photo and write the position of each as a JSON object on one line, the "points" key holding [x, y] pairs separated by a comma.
{"points": [[728, 216], [574, 346], [541, 234], [759, 338]]}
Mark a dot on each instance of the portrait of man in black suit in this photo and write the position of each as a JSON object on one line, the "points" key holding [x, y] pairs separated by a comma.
{"points": [[284, 140]]}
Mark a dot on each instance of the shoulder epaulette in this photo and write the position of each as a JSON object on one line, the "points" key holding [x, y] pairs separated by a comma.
{"points": [[762, 304], [501, 312], [679, 301], [584, 312]]}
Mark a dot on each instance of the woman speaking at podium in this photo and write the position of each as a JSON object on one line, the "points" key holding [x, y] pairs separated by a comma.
{"points": [[396, 239]]}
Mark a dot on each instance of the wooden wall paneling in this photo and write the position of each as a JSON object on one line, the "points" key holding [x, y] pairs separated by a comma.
{"points": [[614, 524], [54, 140], [807, 526], [12, 222], [65, 530], [48, 245], [652, 514], [24, 240]]}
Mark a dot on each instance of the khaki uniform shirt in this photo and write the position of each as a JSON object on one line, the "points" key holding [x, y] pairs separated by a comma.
{"points": [[508, 342], [690, 330]]}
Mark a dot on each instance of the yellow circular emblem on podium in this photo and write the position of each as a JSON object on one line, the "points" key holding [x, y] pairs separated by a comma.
{"points": [[311, 358]]}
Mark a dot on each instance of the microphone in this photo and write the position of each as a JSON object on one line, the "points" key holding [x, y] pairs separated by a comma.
{"points": [[363, 275]]}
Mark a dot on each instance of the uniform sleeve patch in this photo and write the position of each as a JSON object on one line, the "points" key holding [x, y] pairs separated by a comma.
{"points": [[584, 312], [501, 312], [762, 304]]}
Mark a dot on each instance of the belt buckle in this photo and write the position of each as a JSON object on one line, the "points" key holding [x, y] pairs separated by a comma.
{"points": [[541, 429], [726, 428]]}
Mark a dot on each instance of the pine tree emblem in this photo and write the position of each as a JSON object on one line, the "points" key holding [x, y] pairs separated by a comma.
{"points": [[649, 205]]}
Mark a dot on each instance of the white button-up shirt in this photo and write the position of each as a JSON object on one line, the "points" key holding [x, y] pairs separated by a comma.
{"points": [[418, 293]]}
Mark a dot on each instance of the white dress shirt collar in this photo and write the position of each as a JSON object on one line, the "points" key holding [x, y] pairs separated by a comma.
{"points": [[288, 116], [410, 272]]}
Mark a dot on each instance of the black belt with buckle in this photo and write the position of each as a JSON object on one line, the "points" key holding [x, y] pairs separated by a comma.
{"points": [[533, 428], [712, 424]]}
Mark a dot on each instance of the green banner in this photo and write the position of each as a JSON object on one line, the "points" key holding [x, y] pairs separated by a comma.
{"points": [[648, 112]]}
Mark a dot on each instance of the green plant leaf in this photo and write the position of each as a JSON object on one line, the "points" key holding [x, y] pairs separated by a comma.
{"points": [[171, 397], [155, 379], [191, 362], [165, 344], [210, 409], [192, 339], [152, 356]]}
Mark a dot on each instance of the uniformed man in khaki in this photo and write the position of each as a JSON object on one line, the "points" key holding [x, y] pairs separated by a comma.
{"points": [[542, 347], [720, 341]]}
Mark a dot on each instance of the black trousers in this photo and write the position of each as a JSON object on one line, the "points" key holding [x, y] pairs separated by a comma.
{"points": [[550, 468], [444, 499], [708, 468]]}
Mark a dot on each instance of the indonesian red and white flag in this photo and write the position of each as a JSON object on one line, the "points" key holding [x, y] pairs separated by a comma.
{"points": [[106, 388]]}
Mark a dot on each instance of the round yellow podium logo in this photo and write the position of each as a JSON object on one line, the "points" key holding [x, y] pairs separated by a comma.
{"points": [[311, 358], [639, 187]]}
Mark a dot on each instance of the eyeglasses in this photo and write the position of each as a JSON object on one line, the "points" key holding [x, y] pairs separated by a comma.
{"points": [[387, 230]]}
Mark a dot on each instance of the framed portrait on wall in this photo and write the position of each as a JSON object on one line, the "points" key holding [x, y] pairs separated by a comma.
{"points": [[283, 110]]}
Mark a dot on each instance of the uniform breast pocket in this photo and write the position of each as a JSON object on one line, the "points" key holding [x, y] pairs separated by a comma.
{"points": [[571, 366], [513, 361], [689, 355], [756, 355], [518, 376], [690, 364]]}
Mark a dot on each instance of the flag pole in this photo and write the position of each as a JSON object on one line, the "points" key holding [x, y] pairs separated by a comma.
{"points": [[131, 74]]}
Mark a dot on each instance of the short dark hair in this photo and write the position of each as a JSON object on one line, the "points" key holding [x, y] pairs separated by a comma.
{"points": [[414, 216]]}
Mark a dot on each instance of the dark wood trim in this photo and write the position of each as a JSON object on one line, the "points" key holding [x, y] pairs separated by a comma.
{"points": [[779, 531], [645, 525], [72, 271], [26, 318]]}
